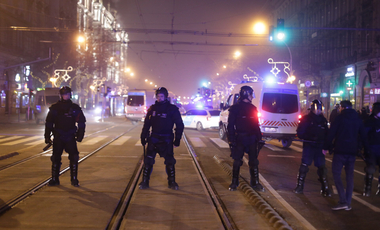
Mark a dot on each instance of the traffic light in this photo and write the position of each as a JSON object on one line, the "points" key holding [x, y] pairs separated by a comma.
{"points": [[280, 30], [271, 33]]}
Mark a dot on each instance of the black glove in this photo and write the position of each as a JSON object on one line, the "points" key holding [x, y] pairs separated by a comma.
{"points": [[176, 142], [232, 144], [79, 135], [143, 141], [47, 140]]}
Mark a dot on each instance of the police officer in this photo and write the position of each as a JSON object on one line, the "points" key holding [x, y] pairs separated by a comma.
{"points": [[243, 136], [372, 126], [61, 122], [313, 130], [161, 117], [334, 113]]}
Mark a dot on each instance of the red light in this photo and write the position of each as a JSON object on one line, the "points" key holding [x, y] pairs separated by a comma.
{"points": [[258, 114], [299, 116]]}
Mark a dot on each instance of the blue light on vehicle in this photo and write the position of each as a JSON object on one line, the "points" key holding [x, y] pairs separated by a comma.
{"points": [[38, 107], [270, 80]]}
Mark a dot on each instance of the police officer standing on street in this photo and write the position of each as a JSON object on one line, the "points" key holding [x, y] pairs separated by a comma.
{"points": [[243, 136], [61, 122], [313, 130], [372, 126], [161, 117], [345, 132]]}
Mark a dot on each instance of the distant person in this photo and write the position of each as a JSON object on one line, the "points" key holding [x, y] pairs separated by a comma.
{"points": [[313, 130], [372, 126], [345, 131], [363, 114], [62, 120], [334, 113], [243, 136], [161, 117]]}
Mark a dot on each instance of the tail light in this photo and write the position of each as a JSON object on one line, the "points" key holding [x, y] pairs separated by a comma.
{"points": [[145, 109], [258, 114], [299, 118]]}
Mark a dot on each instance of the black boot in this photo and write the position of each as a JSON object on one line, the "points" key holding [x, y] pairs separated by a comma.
{"points": [[235, 179], [74, 174], [367, 184], [301, 178], [255, 184], [55, 168], [170, 170], [146, 176], [322, 173]]}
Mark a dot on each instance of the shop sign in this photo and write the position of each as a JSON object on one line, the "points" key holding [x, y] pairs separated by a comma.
{"points": [[374, 91], [349, 84], [350, 72], [324, 94]]}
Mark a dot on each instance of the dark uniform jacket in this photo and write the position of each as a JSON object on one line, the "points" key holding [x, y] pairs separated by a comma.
{"points": [[344, 134], [313, 128], [62, 118], [333, 115], [242, 119], [162, 117], [372, 127]]}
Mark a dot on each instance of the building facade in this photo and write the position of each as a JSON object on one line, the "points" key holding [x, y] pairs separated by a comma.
{"points": [[336, 47]]}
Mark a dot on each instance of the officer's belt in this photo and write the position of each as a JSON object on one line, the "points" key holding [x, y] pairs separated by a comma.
{"points": [[161, 135], [63, 133], [245, 134]]}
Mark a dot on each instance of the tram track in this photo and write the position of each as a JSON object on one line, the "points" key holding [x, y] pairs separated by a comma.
{"points": [[16, 163], [20, 197], [125, 200]]}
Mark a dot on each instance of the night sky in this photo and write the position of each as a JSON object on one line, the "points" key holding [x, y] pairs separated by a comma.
{"points": [[183, 67]]}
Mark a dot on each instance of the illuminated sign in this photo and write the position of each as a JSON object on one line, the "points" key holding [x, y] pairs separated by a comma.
{"points": [[350, 72], [324, 94], [374, 91], [349, 84]]}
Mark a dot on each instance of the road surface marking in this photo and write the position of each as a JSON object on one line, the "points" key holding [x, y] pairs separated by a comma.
{"points": [[220, 143], [361, 173], [121, 140], [138, 143], [94, 140], [10, 138], [273, 148], [296, 148], [283, 202], [281, 156], [21, 140], [197, 142], [354, 196], [36, 142]]}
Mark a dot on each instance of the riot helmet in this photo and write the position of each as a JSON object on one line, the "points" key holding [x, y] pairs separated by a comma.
{"points": [[245, 92], [346, 104], [376, 108], [316, 105], [65, 90], [162, 90]]}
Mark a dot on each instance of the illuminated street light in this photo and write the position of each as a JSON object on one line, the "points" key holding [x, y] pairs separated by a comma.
{"points": [[111, 58], [92, 87], [132, 74], [151, 83], [146, 80], [81, 39], [237, 54], [127, 69], [259, 28], [217, 74], [224, 66]]}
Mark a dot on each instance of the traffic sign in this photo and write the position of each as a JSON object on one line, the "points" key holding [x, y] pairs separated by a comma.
{"points": [[307, 84]]}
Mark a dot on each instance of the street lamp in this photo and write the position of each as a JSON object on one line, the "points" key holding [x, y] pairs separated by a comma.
{"points": [[259, 28]]}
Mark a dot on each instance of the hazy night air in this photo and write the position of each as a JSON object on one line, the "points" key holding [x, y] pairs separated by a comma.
{"points": [[206, 36]]}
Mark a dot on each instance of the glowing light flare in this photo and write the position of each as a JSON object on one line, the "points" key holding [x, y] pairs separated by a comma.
{"points": [[280, 36], [237, 54], [259, 28], [81, 39], [146, 80]]}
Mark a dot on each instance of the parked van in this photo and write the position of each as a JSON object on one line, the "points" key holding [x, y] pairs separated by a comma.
{"points": [[278, 110], [139, 101], [43, 100]]}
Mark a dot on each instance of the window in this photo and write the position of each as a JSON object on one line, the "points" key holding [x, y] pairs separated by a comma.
{"points": [[200, 112], [280, 103], [134, 100], [214, 112]]}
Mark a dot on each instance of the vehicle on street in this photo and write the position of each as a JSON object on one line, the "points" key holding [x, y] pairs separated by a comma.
{"points": [[201, 118], [278, 110], [43, 100]]}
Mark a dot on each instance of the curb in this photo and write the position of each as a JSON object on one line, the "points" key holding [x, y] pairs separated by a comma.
{"points": [[259, 203]]}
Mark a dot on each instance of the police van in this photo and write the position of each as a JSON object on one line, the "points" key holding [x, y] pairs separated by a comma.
{"points": [[43, 100], [138, 103], [278, 110]]}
